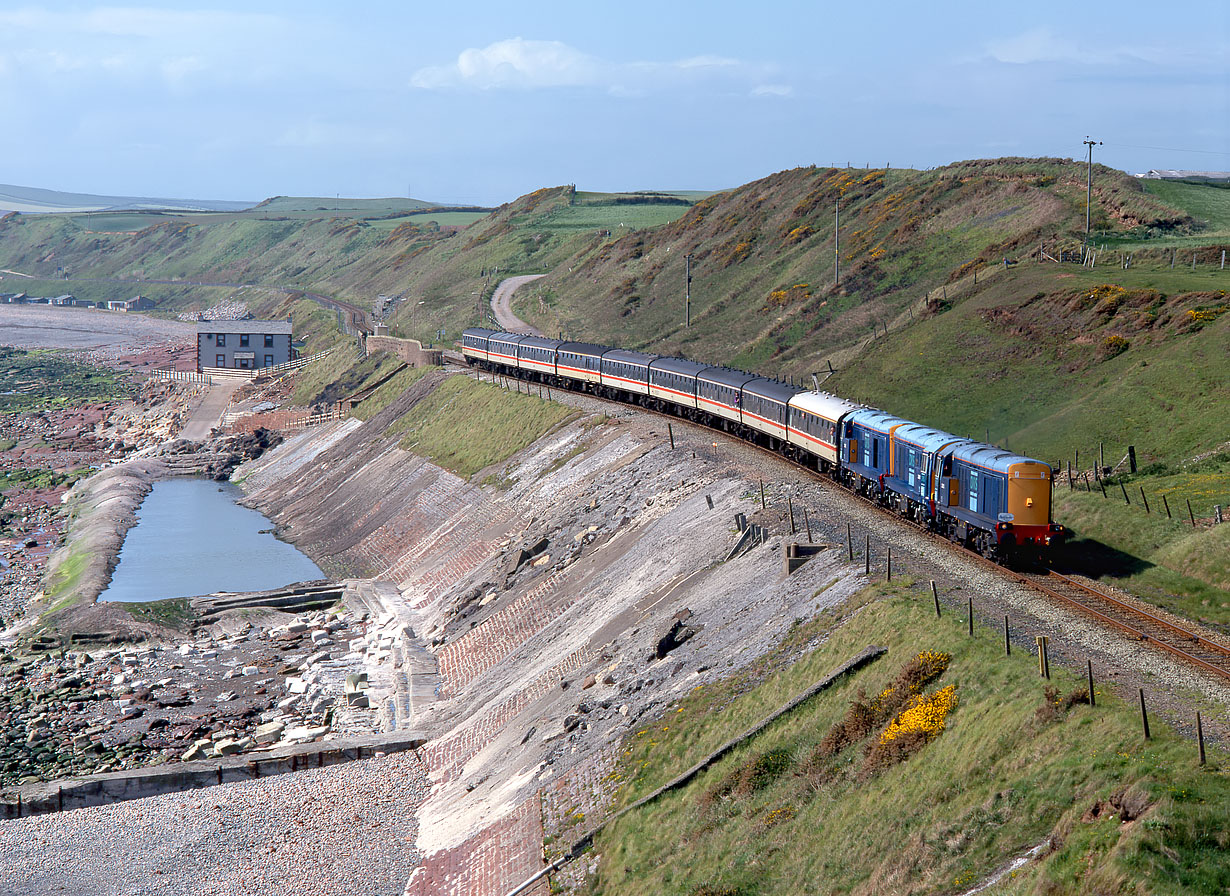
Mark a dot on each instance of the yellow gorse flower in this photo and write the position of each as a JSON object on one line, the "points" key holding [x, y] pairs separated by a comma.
{"points": [[925, 713]]}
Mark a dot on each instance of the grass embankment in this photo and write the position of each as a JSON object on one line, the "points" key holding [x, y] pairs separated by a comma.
{"points": [[1158, 556], [828, 800], [466, 426]]}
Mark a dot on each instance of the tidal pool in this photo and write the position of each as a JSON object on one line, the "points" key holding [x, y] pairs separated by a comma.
{"points": [[192, 538]]}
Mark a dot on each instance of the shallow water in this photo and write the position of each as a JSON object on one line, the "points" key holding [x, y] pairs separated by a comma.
{"points": [[192, 538]]}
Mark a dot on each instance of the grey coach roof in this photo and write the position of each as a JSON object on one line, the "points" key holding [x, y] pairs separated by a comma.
{"points": [[259, 327]]}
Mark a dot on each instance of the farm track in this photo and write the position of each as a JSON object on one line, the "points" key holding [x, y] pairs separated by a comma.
{"points": [[1150, 628]]}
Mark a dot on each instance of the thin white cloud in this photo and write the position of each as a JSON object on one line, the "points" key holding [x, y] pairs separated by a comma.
{"points": [[138, 42], [513, 63], [1044, 45], [520, 64], [772, 90]]}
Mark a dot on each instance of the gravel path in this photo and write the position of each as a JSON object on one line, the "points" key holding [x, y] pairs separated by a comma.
{"points": [[501, 305], [344, 830]]}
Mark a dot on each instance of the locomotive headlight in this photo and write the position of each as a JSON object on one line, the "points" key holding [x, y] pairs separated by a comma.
{"points": [[1029, 502]]}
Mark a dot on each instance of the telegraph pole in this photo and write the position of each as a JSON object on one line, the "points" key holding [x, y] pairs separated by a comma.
{"points": [[1089, 191], [836, 244], [687, 292]]}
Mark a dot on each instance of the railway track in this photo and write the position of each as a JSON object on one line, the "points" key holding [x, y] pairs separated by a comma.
{"points": [[1180, 642], [1131, 620]]}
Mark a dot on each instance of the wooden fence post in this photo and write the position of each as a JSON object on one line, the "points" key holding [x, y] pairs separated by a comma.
{"points": [[1089, 672], [762, 503], [1125, 497], [670, 432], [1007, 638], [1200, 737], [850, 542], [1166, 504], [971, 616], [1191, 515], [1144, 715], [1144, 499], [935, 596], [807, 525], [867, 558]]}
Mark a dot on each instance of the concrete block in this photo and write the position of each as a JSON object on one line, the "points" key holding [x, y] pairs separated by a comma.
{"points": [[269, 732]]}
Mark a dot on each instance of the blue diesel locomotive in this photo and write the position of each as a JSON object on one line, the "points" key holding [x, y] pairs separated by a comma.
{"points": [[986, 498]]}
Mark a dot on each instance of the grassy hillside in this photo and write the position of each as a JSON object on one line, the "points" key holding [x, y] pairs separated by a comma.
{"points": [[839, 797]]}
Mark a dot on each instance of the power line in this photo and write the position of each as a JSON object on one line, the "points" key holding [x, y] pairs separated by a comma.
{"points": [[1207, 152]]}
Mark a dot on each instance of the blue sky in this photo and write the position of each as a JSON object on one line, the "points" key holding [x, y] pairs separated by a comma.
{"points": [[479, 102]]}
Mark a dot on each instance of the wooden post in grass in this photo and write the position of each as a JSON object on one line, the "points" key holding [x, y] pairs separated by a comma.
{"points": [[850, 542], [807, 525], [1144, 499], [867, 558], [1102, 485], [889, 568], [935, 596], [1166, 504], [1131, 458], [1124, 488], [1069, 475], [671, 433], [762, 504], [1200, 737], [1044, 666], [1089, 673], [971, 616], [1007, 638], [1144, 714], [1191, 515], [790, 513]]}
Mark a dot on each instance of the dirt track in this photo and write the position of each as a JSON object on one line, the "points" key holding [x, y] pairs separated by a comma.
{"points": [[501, 305]]}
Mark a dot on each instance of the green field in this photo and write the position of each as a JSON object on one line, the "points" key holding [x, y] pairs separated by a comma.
{"points": [[443, 218], [611, 217], [818, 803], [1209, 204], [340, 203], [120, 222]]}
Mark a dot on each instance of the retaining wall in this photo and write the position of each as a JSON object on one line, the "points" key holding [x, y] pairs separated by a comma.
{"points": [[112, 787], [409, 350]]}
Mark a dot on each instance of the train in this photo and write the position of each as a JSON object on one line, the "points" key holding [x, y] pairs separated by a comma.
{"points": [[981, 496]]}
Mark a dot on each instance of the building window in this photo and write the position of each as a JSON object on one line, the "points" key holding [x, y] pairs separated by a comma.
{"points": [[268, 359], [268, 341], [243, 340], [221, 341], [219, 360]]}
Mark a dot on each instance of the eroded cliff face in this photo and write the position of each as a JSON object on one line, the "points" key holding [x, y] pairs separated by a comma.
{"points": [[560, 597]]}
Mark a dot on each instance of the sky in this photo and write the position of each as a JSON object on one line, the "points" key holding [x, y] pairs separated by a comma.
{"points": [[479, 102]]}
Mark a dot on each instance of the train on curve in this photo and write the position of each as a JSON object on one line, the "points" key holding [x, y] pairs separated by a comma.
{"points": [[983, 497]]}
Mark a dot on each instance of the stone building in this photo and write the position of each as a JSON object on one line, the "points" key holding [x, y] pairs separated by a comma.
{"points": [[243, 344]]}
